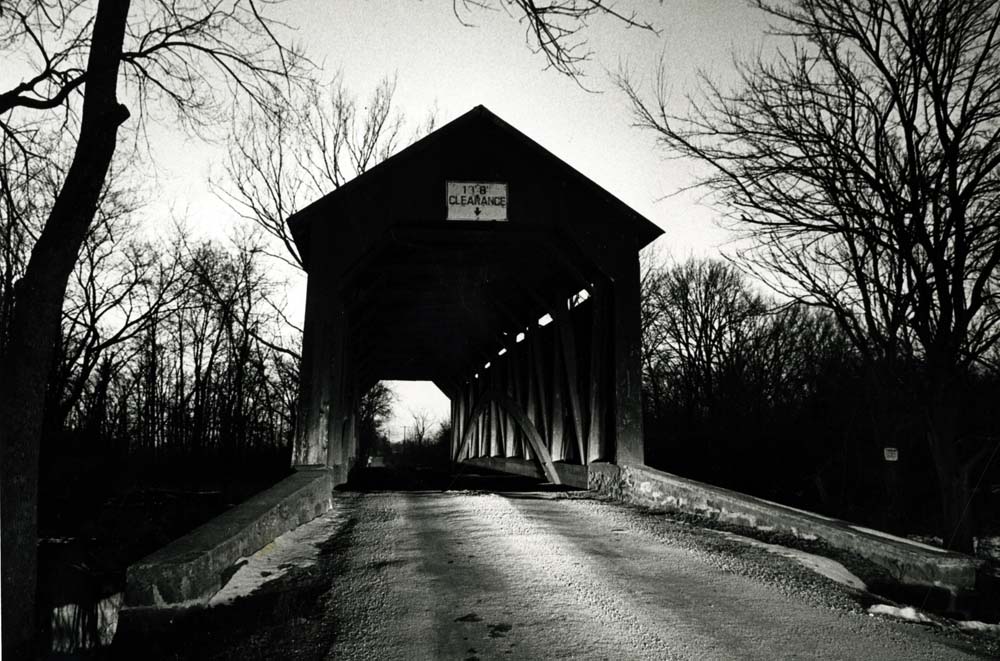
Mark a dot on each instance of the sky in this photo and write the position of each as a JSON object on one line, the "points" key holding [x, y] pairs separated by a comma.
{"points": [[439, 63]]}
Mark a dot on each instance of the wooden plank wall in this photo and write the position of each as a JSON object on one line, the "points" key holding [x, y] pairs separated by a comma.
{"points": [[560, 377]]}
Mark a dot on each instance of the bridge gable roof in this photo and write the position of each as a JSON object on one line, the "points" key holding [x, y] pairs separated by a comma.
{"points": [[409, 189]]}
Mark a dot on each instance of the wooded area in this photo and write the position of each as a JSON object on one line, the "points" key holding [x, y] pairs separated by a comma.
{"points": [[859, 162], [770, 397]]}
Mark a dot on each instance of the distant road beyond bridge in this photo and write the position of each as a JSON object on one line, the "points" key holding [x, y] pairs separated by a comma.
{"points": [[536, 574]]}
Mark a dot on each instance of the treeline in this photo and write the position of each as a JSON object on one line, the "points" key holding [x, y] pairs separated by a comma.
{"points": [[169, 350], [179, 348], [770, 398]]}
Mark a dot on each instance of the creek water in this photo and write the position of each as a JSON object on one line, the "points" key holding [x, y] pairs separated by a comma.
{"points": [[78, 628]]}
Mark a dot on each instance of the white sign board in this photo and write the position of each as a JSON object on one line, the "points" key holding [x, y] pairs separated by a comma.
{"points": [[476, 200], [890, 454]]}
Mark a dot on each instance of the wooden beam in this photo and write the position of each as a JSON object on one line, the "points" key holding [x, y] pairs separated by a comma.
{"points": [[626, 363], [513, 409], [563, 320], [336, 450], [455, 351], [557, 413], [475, 234], [531, 432], [598, 353], [407, 260], [445, 385], [531, 407], [494, 431], [318, 379], [514, 390], [470, 423], [537, 361], [557, 248]]}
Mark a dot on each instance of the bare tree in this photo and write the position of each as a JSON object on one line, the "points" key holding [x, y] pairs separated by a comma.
{"points": [[420, 429], [728, 372], [31, 169], [118, 287], [863, 163], [374, 410], [187, 56], [706, 318], [556, 28], [318, 139], [210, 379]]}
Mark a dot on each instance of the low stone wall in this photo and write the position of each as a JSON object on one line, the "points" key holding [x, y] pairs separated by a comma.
{"points": [[189, 570], [569, 474], [907, 562]]}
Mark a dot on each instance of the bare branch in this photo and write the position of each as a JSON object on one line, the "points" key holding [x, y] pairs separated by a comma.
{"points": [[556, 28]]}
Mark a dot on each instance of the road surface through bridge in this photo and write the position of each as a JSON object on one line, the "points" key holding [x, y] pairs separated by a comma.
{"points": [[535, 575]]}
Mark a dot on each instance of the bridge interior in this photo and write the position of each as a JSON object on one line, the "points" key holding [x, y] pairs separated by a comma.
{"points": [[529, 323]]}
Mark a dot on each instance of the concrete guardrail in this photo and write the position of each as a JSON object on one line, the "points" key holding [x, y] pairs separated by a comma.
{"points": [[905, 561], [189, 570]]}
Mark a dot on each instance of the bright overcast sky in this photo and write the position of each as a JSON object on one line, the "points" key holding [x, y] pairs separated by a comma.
{"points": [[441, 63]]}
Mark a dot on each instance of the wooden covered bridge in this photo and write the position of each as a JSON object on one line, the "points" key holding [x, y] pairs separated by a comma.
{"points": [[479, 261]]}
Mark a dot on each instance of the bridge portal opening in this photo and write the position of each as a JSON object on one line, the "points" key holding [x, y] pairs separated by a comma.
{"points": [[477, 260], [419, 410]]}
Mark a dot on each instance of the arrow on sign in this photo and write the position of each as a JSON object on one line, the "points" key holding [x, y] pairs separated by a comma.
{"points": [[478, 211]]}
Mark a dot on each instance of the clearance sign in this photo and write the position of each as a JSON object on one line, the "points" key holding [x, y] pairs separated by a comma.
{"points": [[476, 200]]}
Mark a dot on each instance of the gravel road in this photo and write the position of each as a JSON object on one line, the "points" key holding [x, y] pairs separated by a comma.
{"points": [[534, 575]]}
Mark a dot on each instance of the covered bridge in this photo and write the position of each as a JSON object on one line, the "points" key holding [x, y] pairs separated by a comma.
{"points": [[479, 261]]}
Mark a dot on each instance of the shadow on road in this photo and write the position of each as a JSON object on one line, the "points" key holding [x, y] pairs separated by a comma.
{"points": [[294, 608]]}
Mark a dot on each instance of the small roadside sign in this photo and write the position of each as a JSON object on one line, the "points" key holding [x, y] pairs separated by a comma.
{"points": [[890, 454], [476, 200]]}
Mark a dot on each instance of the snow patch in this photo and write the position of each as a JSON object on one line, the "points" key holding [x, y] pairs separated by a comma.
{"points": [[795, 509], [69, 634], [902, 540], [908, 613], [976, 625], [297, 548], [988, 547], [831, 569]]}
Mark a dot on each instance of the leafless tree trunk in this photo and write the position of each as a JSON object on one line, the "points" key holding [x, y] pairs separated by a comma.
{"points": [[34, 324], [421, 427], [93, 54]]}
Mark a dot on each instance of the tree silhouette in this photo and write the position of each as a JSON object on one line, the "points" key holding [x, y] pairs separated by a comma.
{"points": [[187, 56], [318, 139], [862, 163]]}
